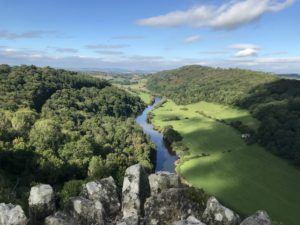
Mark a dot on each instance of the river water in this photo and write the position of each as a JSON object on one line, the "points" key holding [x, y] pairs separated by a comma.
{"points": [[165, 160]]}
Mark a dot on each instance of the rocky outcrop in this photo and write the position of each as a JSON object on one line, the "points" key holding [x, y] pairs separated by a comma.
{"points": [[169, 206], [60, 218], [191, 220], [104, 191], [259, 218], [217, 214], [86, 211], [135, 190], [12, 215], [157, 199], [41, 202], [161, 181]]}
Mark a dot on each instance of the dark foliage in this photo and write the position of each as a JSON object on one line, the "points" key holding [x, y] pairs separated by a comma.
{"points": [[57, 125]]}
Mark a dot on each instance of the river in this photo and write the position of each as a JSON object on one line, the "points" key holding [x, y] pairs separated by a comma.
{"points": [[165, 160]]}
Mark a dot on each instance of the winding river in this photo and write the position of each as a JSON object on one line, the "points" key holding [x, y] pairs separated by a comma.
{"points": [[165, 161]]}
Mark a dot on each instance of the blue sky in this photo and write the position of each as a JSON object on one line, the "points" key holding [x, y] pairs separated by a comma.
{"points": [[151, 34]]}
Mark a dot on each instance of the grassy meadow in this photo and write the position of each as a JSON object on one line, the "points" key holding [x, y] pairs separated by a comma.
{"points": [[244, 177], [140, 90]]}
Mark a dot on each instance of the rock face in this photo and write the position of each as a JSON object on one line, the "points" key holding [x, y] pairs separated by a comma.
{"points": [[259, 218], [191, 220], [157, 199], [12, 215], [41, 202], [85, 211], [104, 191], [163, 180], [217, 214], [169, 206], [134, 191], [60, 218]]}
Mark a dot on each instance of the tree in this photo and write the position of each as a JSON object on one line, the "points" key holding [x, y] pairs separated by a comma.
{"points": [[46, 134]]}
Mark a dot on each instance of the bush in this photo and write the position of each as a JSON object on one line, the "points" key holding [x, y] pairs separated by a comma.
{"points": [[70, 189], [171, 135]]}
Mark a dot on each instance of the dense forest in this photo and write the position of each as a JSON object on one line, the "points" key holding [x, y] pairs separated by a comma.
{"points": [[273, 101], [61, 127]]}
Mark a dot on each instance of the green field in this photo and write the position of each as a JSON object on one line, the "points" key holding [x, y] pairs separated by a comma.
{"points": [[245, 178], [140, 90]]}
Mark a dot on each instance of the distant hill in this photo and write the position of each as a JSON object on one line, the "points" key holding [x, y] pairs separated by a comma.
{"points": [[190, 84], [272, 100], [290, 76]]}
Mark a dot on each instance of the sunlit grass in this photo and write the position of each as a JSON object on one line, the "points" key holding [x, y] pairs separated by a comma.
{"points": [[246, 178]]}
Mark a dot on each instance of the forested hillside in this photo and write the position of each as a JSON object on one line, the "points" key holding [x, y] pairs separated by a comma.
{"points": [[58, 126], [273, 101]]}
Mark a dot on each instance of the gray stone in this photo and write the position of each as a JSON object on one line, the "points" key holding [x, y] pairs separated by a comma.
{"points": [[169, 206], [131, 220], [191, 220], [104, 191], [12, 215], [259, 218], [163, 180], [86, 211], [217, 214], [60, 218], [134, 191], [41, 202]]}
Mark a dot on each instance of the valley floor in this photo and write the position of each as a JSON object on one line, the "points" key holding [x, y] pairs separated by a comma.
{"points": [[245, 177]]}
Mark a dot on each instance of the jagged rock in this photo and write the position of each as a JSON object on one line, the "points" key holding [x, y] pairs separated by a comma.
{"points": [[60, 218], [131, 220], [217, 214], [135, 190], [104, 191], [259, 218], [86, 211], [191, 220], [171, 205], [12, 215], [41, 201], [163, 180]]}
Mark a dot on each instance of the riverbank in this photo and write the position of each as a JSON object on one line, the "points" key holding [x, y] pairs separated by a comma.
{"points": [[245, 177]]}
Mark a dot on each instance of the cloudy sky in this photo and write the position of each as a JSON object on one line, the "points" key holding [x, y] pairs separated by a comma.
{"points": [[151, 34]]}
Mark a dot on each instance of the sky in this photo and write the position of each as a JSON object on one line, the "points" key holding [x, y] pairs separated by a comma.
{"points": [[151, 35]]}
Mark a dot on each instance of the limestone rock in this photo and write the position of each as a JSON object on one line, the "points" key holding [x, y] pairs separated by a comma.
{"points": [[12, 215], [134, 191], [59, 218], [169, 206], [259, 218], [104, 191], [163, 180], [131, 220], [217, 214], [41, 201], [86, 211], [191, 220]]}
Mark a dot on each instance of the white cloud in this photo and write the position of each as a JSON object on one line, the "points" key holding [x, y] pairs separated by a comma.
{"points": [[4, 34], [17, 56], [230, 15], [104, 46], [192, 39], [245, 50], [128, 37]]}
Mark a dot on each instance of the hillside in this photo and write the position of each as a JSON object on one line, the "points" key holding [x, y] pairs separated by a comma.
{"points": [[273, 101], [61, 127]]}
